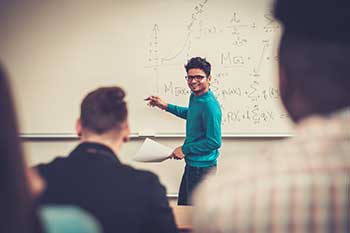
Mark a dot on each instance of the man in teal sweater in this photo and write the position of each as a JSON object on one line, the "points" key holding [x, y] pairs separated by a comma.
{"points": [[203, 127]]}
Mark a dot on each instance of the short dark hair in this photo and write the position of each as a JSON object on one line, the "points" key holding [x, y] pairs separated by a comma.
{"points": [[198, 63], [315, 51], [103, 109], [319, 69], [315, 19]]}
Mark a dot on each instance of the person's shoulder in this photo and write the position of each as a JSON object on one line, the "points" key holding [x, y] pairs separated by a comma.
{"points": [[55, 163], [212, 97], [57, 160], [64, 219], [211, 104], [209, 98]]}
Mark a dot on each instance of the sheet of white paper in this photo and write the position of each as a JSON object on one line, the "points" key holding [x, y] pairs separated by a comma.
{"points": [[152, 151]]}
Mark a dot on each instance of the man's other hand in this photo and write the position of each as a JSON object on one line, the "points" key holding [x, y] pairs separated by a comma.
{"points": [[177, 153]]}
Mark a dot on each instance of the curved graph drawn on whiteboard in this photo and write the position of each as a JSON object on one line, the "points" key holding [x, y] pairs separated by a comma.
{"points": [[181, 50], [154, 55]]}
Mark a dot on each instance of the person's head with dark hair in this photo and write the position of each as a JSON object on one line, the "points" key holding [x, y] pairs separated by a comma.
{"points": [[314, 56], [17, 210], [199, 63], [198, 75], [103, 117]]}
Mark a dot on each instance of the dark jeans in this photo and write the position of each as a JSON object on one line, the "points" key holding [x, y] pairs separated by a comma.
{"points": [[190, 179]]}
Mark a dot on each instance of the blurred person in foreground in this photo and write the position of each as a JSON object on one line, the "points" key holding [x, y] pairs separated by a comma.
{"points": [[19, 185], [301, 184]]}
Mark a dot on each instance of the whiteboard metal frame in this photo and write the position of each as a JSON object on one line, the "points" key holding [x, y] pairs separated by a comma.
{"points": [[165, 135]]}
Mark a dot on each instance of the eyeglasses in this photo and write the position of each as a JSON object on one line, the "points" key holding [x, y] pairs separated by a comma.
{"points": [[195, 77]]}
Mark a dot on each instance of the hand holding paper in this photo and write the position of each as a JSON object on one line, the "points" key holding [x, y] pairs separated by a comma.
{"points": [[152, 151], [177, 153]]}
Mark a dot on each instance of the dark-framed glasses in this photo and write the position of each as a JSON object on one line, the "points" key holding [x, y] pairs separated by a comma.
{"points": [[195, 77]]}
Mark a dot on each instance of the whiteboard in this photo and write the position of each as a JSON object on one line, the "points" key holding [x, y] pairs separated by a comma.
{"points": [[58, 51]]}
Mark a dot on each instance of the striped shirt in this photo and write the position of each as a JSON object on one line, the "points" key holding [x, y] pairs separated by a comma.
{"points": [[297, 185]]}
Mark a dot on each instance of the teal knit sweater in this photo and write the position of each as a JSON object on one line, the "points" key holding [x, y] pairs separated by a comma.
{"points": [[203, 129]]}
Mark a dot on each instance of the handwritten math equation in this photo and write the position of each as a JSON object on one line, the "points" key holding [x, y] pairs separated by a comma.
{"points": [[238, 34]]}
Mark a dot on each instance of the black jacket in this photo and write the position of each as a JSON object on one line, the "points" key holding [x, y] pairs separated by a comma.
{"points": [[122, 198]]}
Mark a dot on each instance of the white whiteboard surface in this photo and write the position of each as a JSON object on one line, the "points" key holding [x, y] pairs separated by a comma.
{"points": [[58, 51]]}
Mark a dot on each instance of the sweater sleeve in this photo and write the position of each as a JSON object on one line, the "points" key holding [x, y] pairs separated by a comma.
{"points": [[212, 140], [177, 111]]}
